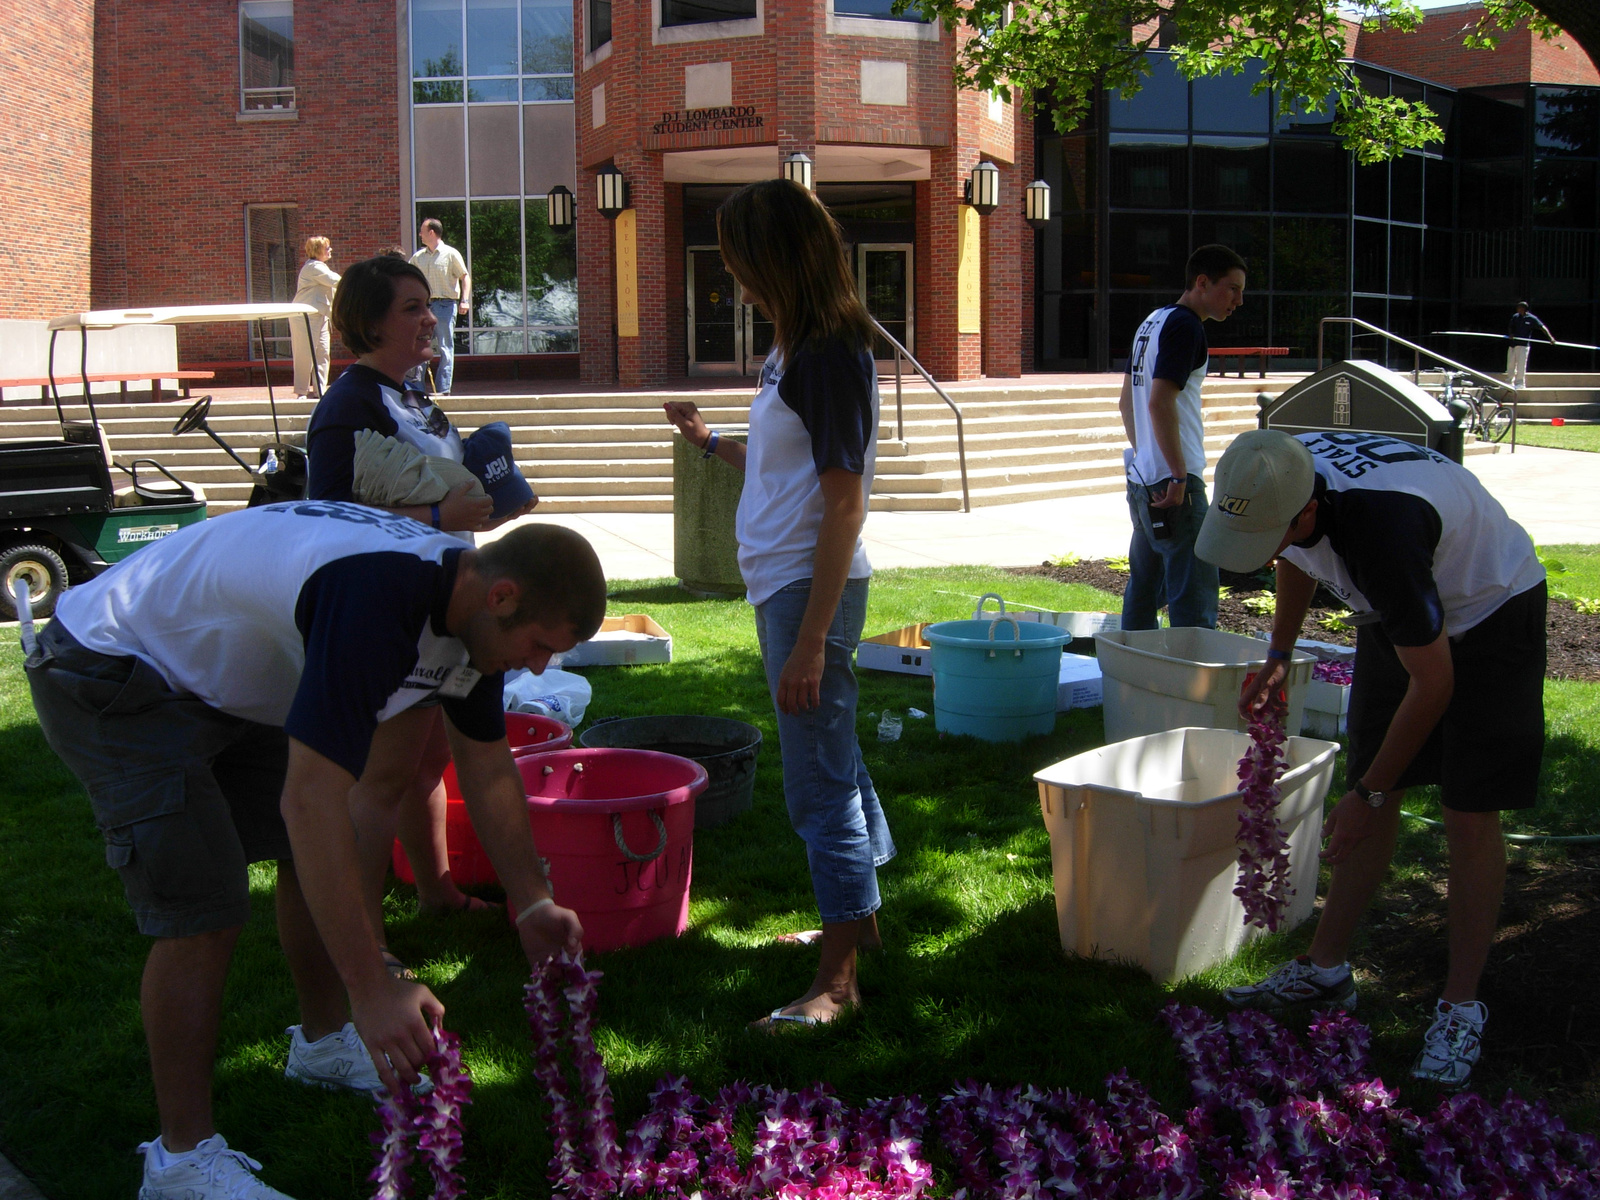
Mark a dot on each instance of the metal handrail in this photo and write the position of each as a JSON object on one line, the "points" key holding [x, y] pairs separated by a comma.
{"points": [[1416, 362], [900, 352]]}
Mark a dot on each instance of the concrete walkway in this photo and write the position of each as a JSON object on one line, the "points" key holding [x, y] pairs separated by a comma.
{"points": [[1542, 489]]}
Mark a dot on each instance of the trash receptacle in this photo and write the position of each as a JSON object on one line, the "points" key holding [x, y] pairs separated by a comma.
{"points": [[705, 498], [1144, 845], [1156, 679]]}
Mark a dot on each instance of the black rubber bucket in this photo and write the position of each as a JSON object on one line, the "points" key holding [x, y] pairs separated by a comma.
{"points": [[726, 748]]}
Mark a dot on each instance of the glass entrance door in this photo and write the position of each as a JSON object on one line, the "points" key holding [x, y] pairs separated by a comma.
{"points": [[725, 337], [883, 274]]}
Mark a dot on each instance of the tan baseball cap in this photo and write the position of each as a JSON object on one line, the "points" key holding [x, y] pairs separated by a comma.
{"points": [[1263, 480]]}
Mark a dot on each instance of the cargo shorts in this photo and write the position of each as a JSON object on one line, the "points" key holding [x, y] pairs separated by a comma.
{"points": [[185, 796]]}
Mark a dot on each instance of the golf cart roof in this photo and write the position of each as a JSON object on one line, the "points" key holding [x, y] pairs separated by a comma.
{"points": [[188, 314]]}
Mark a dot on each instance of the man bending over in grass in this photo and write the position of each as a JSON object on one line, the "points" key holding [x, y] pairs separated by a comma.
{"points": [[220, 693], [1449, 604]]}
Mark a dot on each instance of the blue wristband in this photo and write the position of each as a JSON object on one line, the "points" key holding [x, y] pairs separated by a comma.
{"points": [[434, 516], [1280, 655], [711, 444]]}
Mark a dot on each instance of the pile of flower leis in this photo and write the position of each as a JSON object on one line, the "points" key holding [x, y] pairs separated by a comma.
{"points": [[1341, 673], [1263, 886], [432, 1122], [808, 1144]]}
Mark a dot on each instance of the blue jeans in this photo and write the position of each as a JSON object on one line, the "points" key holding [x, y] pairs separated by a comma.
{"points": [[1166, 571], [831, 801], [445, 335]]}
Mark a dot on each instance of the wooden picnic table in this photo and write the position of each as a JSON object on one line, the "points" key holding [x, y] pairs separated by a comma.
{"points": [[1261, 354]]}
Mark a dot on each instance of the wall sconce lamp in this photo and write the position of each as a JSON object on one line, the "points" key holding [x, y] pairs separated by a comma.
{"points": [[1036, 205], [983, 188], [558, 207], [611, 192], [797, 169]]}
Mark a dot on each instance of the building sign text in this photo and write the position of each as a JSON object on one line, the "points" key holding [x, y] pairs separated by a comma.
{"points": [[708, 120]]}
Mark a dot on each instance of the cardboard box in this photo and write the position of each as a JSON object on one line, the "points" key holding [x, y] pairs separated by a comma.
{"points": [[1327, 706], [902, 651], [1081, 625], [622, 641], [1080, 685]]}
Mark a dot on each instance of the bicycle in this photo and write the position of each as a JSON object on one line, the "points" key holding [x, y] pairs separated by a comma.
{"points": [[1487, 419]]}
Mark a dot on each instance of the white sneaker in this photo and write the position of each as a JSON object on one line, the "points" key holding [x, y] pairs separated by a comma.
{"points": [[337, 1061], [1452, 1044], [210, 1171]]}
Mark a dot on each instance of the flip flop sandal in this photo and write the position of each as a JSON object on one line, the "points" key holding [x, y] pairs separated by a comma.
{"points": [[804, 937], [396, 968], [777, 1017]]}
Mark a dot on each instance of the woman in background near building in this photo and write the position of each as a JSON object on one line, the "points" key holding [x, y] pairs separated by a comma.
{"points": [[808, 473], [382, 314], [317, 283]]}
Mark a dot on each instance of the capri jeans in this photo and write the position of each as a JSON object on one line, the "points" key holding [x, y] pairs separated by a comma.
{"points": [[831, 800]]}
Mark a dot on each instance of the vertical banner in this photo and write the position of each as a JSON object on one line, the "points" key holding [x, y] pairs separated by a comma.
{"points": [[627, 274], [969, 272]]}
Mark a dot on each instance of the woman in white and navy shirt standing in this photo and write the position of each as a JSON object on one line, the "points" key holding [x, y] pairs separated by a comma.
{"points": [[808, 473]]}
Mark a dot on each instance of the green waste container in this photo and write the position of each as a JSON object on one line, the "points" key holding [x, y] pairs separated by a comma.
{"points": [[705, 499]]}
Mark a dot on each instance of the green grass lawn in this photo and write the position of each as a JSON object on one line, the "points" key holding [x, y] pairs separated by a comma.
{"points": [[972, 982], [1563, 437]]}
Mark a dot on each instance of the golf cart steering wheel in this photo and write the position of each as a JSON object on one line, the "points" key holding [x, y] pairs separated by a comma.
{"points": [[194, 418]]}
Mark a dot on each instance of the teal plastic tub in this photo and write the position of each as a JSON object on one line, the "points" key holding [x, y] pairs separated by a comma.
{"points": [[995, 679]]}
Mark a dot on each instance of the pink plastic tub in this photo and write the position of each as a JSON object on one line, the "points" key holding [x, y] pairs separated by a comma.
{"points": [[616, 827], [527, 733]]}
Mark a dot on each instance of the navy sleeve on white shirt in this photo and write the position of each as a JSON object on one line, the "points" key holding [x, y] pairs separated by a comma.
{"points": [[1181, 347], [1387, 540], [829, 387], [352, 404], [480, 714]]}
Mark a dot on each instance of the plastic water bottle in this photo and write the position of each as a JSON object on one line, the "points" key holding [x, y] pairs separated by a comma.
{"points": [[889, 727], [269, 465]]}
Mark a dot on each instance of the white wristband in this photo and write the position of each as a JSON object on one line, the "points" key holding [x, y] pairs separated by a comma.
{"points": [[532, 908]]}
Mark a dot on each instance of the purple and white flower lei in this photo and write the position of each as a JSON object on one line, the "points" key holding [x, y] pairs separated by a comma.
{"points": [[1263, 886], [432, 1121]]}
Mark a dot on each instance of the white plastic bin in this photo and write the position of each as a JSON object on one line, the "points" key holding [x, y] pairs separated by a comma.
{"points": [[1144, 845], [1158, 679], [1327, 707]]}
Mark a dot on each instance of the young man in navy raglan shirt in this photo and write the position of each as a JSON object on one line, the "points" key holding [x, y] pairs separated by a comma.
{"points": [[1160, 408]]}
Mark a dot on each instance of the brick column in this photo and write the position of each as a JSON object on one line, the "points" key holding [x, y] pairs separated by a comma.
{"points": [[641, 361], [1003, 231], [946, 353], [597, 286]]}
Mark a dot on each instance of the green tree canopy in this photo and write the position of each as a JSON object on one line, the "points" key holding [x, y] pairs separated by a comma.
{"points": [[1070, 49]]}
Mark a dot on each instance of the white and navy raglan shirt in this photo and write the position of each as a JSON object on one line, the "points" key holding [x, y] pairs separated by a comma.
{"points": [[362, 398], [1410, 536], [1170, 345], [323, 618], [814, 413]]}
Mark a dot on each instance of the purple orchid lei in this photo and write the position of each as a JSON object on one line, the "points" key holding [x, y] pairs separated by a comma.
{"points": [[1341, 673], [432, 1121], [1263, 886]]}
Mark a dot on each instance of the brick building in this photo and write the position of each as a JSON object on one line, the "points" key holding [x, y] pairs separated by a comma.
{"points": [[180, 151]]}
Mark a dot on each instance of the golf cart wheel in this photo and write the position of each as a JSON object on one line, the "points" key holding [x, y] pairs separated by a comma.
{"points": [[1499, 423], [46, 575]]}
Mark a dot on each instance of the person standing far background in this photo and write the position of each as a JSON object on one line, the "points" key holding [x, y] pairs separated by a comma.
{"points": [[449, 294], [1160, 408], [1524, 326], [315, 287]]}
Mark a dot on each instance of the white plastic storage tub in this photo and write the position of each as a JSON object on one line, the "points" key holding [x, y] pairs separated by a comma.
{"points": [[1144, 850], [1158, 679]]}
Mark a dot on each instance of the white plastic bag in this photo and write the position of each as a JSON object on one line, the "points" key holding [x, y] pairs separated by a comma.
{"points": [[560, 694]]}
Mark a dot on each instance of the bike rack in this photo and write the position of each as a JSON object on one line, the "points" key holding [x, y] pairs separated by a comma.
{"points": [[1416, 362], [900, 352]]}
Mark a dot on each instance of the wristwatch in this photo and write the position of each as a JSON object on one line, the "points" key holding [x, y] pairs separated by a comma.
{"points": [[1373, 799]]}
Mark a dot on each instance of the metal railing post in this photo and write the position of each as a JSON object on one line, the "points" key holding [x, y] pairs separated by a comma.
{"points": [[899, 409], [961, 437]]}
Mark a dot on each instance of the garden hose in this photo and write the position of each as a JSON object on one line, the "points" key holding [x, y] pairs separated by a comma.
{"points": [[1522, 839]]}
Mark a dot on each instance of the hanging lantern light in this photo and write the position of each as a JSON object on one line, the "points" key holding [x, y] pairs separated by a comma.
{"points": [[1036, 204], [983, 188], [558, 210], [611, 192], [797, 169]]}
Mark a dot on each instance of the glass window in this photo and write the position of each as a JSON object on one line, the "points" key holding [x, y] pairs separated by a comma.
{"points": [[1405, 188], [1067, 331], [491, 37], [1310, 175], [1566, 121], [491, 91], [1438, 248], [1405, 260], [1491, 195], [496, 262], [547, 38], [1371, 257], [1443, 104], [1310, 254], [1300, 118], [1230, 173], [545, 88], [1246, 236], [436, 39], [1439, 206], [1563, 193], [1296, 319], [696, 12], [1223, 104], [879, 10], [552, 273], [599, 23], [1491, 126], [266, 55], [1148, 250], [272, 268], [1149, 171], [1372, 190], [1128, 310], [437, 91], [1163, 102]]}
